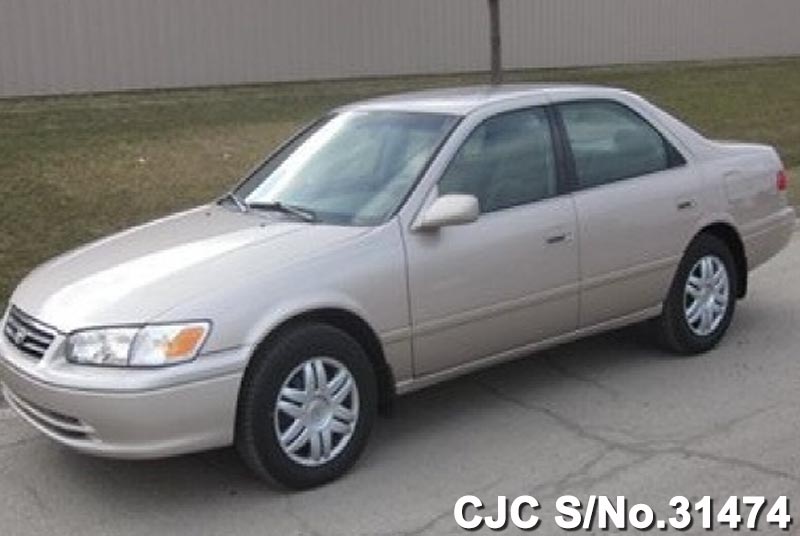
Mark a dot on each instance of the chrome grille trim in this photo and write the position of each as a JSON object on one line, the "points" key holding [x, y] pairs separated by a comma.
{"points": [[37, 337]]}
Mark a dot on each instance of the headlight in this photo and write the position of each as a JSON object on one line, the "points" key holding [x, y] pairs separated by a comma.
{"points": [[149, 346]]}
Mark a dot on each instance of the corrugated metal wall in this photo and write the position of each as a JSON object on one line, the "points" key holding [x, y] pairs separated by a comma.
{"points": [[60, 46]]}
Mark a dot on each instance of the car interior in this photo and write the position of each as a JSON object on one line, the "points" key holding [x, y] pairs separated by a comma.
{"points": [[507, 161]]}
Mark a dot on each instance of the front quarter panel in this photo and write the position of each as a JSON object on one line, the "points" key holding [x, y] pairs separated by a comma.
{"points": [[364, 276]]}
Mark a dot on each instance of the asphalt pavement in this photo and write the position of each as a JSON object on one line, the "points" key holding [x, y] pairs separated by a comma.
{"points": [[610, 415]]}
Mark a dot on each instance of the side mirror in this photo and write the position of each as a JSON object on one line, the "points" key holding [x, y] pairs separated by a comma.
{"points": [[450, 209]]}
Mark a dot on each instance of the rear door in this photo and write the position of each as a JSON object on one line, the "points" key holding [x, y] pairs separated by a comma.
{"points": [[637, 203]]}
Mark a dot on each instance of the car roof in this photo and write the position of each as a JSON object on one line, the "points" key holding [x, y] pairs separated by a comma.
{"points": [[465, 100]]}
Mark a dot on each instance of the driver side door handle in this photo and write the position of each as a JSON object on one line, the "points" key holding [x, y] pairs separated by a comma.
{"points": [[559, 238]]}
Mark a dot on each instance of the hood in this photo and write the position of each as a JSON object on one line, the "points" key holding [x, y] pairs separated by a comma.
{"points": [[136, 275]]}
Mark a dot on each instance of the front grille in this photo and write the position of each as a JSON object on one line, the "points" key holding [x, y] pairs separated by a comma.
{"points": [[27, 334]]}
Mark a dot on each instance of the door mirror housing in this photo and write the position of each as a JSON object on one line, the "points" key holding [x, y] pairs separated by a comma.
{"points": [[449, 209]]}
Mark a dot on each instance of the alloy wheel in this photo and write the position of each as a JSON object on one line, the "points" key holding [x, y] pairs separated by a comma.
{"points": [[706, 295], [316, 411]]}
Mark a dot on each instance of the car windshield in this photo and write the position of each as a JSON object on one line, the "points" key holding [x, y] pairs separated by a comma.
{"points": [[350, 168]]}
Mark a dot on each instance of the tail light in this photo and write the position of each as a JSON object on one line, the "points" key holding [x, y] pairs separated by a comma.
{"points": [[783, 181]]}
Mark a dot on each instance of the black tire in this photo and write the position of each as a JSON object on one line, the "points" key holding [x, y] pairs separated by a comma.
{"points": [[674, 330], [256, 435]]}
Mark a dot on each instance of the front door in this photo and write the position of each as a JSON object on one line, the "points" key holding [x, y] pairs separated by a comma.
{"points": [[511, 277]]}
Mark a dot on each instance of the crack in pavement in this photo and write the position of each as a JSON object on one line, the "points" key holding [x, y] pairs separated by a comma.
{"points": [[305, 527], [642, 452], [581, 471], [570, 374], [549, 488], [714, 430], [37, 498], [584, 480], [644, 448], [549, 491], [424, 528], [18, 442], [433, 521]]}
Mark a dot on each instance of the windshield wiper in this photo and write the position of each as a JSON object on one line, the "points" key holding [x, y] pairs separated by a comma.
{"points": [[304, 214], [236, 201]]}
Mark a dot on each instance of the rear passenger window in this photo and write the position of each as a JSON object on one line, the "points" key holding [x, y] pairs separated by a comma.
{"points": [[610, 142], [505, 162]]}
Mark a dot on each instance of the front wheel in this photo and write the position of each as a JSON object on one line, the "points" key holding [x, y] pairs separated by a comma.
{"points": [[306, 408], [702, 298]]}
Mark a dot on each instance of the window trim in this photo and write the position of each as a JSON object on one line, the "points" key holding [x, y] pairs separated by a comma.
{"points": [[572, 179], [560, 157]]}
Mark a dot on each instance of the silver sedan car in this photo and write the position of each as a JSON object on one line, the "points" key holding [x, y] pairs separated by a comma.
{"points": [[391, 244]]}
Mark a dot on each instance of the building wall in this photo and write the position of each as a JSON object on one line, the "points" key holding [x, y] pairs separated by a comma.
{"points": [[64, 46]]}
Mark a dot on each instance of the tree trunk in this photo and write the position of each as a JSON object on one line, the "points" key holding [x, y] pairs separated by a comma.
{"points": [[495, 41]]}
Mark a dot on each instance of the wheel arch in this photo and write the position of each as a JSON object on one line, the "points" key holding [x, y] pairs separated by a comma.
{"points": [[355, 326], [730, 236]]}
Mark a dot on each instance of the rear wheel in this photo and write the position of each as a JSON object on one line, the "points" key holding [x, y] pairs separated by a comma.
{"points": [[306, 408], [702, 298]]}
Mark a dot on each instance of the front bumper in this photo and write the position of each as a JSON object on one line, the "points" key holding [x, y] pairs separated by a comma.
{"points": [[126, 423]]}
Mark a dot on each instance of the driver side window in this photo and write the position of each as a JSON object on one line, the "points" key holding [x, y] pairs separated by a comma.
{"points": [[505, 162]]}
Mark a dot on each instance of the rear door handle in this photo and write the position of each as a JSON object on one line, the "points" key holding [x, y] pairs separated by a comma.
{"points": [[559, 238], [686, 204]]}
